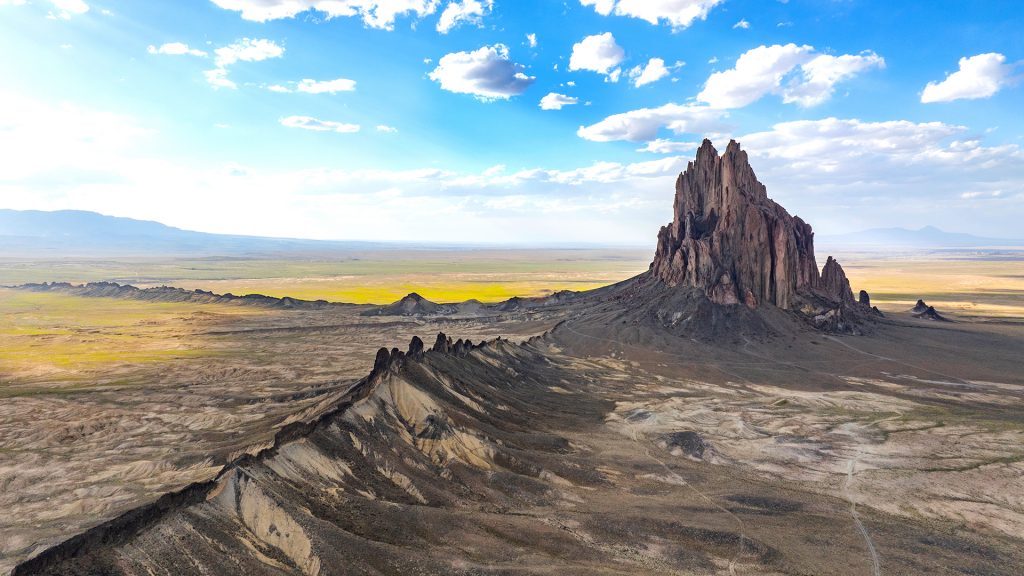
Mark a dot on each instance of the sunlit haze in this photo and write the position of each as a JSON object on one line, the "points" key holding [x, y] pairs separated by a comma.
{"points": [[519, 122]]}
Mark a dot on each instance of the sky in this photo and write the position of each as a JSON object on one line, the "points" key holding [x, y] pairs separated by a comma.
{"points": [[499, 121]]}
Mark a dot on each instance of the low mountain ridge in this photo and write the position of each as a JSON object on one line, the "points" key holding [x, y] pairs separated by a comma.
{"points": [[922, 238], [78, 232]]}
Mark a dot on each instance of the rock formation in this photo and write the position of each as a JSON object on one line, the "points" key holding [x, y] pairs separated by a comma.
{"points": [[926, 312], [728, 238], [736, 244], [864, 298], [834, 282]]}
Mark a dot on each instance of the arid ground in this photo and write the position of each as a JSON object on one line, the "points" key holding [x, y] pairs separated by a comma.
{"points": [[891, 452]]}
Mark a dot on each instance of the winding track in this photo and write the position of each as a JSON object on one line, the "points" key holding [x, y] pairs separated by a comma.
{"points": [[876, 567]]}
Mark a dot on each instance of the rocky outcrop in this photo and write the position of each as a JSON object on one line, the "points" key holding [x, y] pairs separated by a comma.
{"points": [[926, 312], [732, 241], [413, 305], [834, 283], [864, 298]]}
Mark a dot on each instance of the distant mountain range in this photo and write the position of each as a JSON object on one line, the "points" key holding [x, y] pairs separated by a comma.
{"points": [[927, 237], [79, 233], [75, 232]]}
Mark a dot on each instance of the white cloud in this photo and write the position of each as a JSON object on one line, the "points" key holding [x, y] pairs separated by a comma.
{"points": [[823, 72], [662, 146], [309, 86], [742, 24], [12, 2], [757, 72], [982, 194], [555, 101], [325, 86], [375, 13], [885, 173], [466, 11], [244, 50], [598, 53], [175, 49], [247, 50], [763, 70], [65, 8], [677, 13], [310, 123], [979, 76], [218, 78], [531, 39], [713, 60], [654, 70], [387, 129], [486, 73], [643, 125]]}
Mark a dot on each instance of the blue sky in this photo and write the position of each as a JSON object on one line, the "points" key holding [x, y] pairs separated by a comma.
{"points": [[524, 122]]}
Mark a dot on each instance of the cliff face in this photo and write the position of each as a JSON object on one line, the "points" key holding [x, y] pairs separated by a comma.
{"points": [[728, 238]]}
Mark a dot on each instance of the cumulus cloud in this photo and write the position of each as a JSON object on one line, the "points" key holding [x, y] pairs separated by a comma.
{"points": [[643, 125], [531, 39], [677, 13], [244, 50], [555, 101], [487, 73], [387, 129], [843, 167], [175, 49], [653, 71], [466, 11], [310, 123], [598, 53], [375, 13], [742, 24], [823, 72], [765, 70], [979, 76]]}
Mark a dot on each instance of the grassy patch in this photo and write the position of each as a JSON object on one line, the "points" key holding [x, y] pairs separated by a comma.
{"points": [[49, 333]]}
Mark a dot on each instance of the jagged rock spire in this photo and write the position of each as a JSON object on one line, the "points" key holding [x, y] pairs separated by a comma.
{"points": [[729, 239]]}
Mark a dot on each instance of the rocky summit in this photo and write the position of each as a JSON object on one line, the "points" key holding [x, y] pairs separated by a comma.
{"points": [[732, 241]]}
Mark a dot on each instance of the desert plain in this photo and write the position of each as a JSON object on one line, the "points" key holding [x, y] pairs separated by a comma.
{"points": [[110, 402]]}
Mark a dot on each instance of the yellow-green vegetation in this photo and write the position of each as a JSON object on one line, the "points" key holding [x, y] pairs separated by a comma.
{"points": [[379, 277], [982, 288], [48, 334], [439, 287]]}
